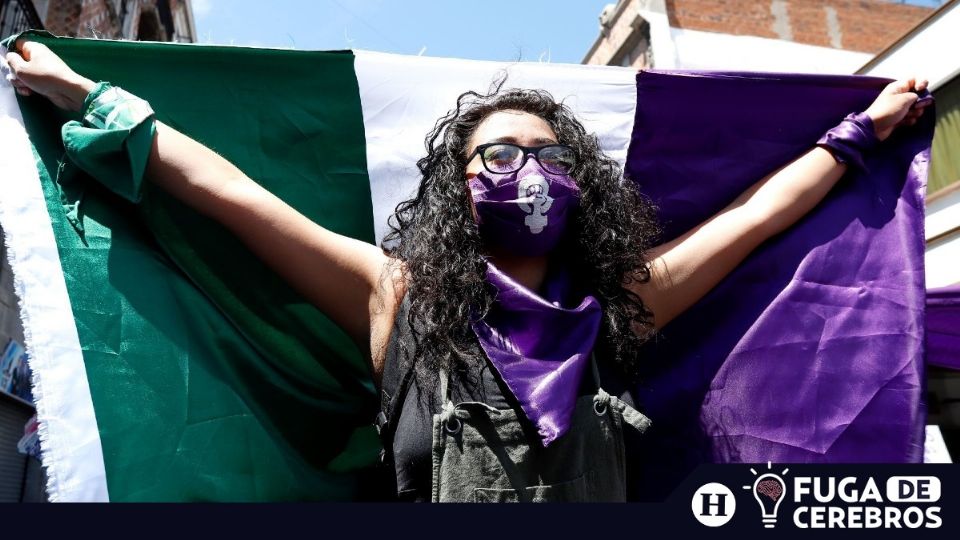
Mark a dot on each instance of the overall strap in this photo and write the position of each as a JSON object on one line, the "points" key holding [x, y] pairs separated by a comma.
{"points": [[393, 391], [395, 382], [603, 400], [445, 384]]}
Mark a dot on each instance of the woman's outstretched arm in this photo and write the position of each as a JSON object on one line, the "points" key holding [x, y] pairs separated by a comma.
{"points": [[688, 267], [338, 274]]}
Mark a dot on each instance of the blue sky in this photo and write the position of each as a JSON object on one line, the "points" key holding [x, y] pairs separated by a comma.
{"points": [[556, 31], [507, 30]]}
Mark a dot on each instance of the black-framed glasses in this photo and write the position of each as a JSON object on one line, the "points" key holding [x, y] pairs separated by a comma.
{"points": [[502, 158]]}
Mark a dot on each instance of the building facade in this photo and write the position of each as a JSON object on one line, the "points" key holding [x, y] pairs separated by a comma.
{"points": [[755, 35], [21, 476], [927, 49], [141, 20]]}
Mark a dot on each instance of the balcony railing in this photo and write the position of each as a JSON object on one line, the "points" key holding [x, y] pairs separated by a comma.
{"points": [[17, 16]]}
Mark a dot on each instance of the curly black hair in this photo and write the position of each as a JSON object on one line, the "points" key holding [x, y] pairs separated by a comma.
{"points": [[435, 237]]}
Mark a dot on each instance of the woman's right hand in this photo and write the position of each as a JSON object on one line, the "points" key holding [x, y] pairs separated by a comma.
{"points": [[39, 70]]}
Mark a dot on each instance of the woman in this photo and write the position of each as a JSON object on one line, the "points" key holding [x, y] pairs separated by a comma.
{"points": [[522, 262]]}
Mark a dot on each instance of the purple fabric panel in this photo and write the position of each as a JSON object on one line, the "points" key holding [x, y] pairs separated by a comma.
{"points": [[943, 327], [811, 350]]}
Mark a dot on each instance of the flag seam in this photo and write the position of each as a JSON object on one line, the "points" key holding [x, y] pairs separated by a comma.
{"points": [[70, 445]]}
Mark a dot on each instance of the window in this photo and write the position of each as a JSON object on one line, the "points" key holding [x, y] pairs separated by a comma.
{"points": [[945, 155]]}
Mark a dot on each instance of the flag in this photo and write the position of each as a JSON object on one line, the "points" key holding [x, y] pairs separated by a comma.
{"points": [[812, 349], [170, 364]]}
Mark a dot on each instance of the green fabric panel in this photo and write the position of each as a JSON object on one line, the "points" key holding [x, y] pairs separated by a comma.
{"points": [[945, 153], [211, 379]]}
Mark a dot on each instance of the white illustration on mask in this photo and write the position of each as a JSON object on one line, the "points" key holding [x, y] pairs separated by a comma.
{"points": [[533, 199]]}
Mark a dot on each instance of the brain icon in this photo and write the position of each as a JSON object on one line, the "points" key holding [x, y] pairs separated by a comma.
{"points": [[771, 488]]}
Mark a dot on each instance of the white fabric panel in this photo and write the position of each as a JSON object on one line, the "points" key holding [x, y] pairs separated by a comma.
{"points": [[69, 438], [403, 96], [696, 49]]}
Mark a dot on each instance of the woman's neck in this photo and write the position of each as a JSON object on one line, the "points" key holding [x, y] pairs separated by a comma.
{"points": [[527, 271]]}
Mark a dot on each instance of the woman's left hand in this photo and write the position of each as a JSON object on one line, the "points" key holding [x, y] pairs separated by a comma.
{"points": [[894, 107]]}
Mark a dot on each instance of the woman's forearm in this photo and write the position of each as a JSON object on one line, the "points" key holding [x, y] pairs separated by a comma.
{"points": [[193, 173], [685, 269], [73, 93], [688, 267], [336, 273], [780, 199], [180, 165]]}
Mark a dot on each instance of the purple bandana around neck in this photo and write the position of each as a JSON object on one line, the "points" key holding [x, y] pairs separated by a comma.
{"points": [[540, 346]]}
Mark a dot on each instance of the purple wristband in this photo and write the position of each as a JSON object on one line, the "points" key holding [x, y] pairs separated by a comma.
{"points": [[851, 139]]}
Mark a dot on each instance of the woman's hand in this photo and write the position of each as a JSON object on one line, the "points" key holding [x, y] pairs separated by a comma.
{"points": [[39, 70], [894, 107]]}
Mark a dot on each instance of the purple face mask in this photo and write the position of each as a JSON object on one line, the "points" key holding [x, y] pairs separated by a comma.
{"points": [[525, 212]]}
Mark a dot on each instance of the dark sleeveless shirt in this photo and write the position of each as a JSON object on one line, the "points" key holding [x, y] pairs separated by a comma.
{"points": [[413, 435]]}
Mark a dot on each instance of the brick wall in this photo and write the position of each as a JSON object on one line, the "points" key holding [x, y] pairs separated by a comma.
{"points": [[619, 41], [857, 25], [107, 18], [82, 18], [63, 17], [97, 19]]}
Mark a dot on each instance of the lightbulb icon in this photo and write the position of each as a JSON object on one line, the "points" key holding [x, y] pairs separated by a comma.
{"points": [[769, 490]]}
